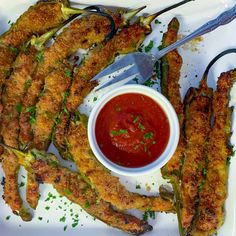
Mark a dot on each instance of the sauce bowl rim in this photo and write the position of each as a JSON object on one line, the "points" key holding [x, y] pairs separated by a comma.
{"points": [[171, 146]]}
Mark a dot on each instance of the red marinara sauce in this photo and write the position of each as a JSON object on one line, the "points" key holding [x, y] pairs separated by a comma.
{"points": [[132, 130]]}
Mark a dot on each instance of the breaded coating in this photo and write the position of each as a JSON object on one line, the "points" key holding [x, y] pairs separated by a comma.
{"points": [[171, 66], [108, 186], [81, 34], [11, 100], [197, 128], [126, 41], [72, 186], [214, 191], [49, 106], [38, 19]]}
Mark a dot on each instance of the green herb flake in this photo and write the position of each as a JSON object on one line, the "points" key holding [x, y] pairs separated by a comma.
{"points": [[68, 73], [136, 119], [47, 208], [57, 120], [75, 224], [40, 218], [87, 204], [141, 127], [65, 228], [22, 184], [95, 99], [121, 131], [138, 186], [19, 107], [28, 83], [63, 219], [66, 94], [67, 191], [157, 22], [149, 47], [8, 217], [40, 56], [13, 49], [148, 135]]}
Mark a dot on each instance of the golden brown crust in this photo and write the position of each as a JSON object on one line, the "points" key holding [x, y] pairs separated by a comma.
{"points": [[11, 101], [49, 106], [82, 33], [38, 19], [214, 191], [108, 186], [71, 185], [171, 66], [197, 129], [128, 40]]}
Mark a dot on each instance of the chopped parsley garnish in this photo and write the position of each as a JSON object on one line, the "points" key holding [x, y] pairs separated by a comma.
{"points": [[32, 111], [138, 186], [149, 47], [47, 208], [57, 120], [40, 56], [67, 191], [66, 94], [40, 218], [141, 127], [157, 22], [136, 119], [95, 99], [66, 111], [68, 73], [19, 107], [148, 135], [22, 184], [87, 204], [150, 83], [28, 83], [75, 224], [65, 228], [8, 217], [148, 214], [121, 131], [13, 49], [63, 219]]}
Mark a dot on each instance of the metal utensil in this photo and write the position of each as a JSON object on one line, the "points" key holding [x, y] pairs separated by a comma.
{"points": [[140, 65]]}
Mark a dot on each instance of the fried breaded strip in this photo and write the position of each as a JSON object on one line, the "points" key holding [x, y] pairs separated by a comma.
{"points": [[108, 186], [171, 66], [214, 191], [127, 40], [49, 106], [81, 34], [38, 19], [72, 186], [197, 129], [11, 99], [16, 87]]}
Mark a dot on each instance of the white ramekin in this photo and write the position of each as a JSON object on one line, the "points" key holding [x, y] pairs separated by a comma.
{"points": [[173, 122]]}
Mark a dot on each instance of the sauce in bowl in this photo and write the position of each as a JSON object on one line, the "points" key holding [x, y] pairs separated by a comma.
{"points": [[132, 130]]}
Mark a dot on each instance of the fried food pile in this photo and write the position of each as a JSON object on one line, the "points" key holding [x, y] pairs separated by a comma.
{"points": [[198, 170], [41, 88]]}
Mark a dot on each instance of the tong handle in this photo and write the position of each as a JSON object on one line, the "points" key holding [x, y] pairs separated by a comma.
{"points": [[222, 19]]}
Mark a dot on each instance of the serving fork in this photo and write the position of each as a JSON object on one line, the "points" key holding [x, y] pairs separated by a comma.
{"points": [[140, 65]]}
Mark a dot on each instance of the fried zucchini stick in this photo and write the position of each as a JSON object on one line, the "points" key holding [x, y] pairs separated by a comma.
{"points": [[81, 34], [12, 96], [214, 191], [108, 187], [197, 128], [38, 19], [171, 66], [72, 186], [49, 106]]}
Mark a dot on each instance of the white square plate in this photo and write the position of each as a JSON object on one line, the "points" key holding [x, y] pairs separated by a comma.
{"points": [[196, 56]]}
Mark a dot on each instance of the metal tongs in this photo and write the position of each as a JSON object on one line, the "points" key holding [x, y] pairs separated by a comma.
{"points": [[140, 65]]}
